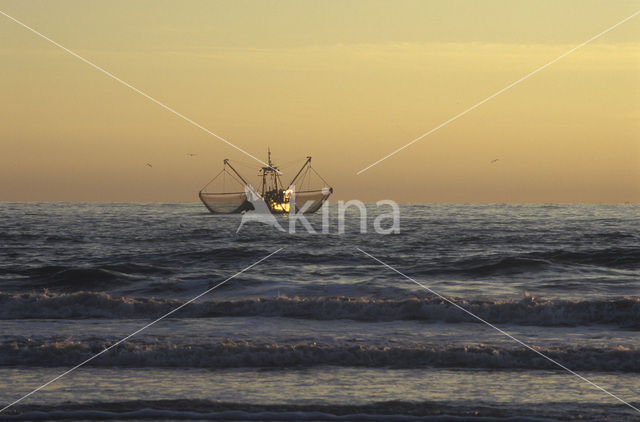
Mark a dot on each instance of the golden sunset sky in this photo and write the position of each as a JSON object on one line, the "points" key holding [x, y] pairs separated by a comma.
{"points": [[346, 82]]}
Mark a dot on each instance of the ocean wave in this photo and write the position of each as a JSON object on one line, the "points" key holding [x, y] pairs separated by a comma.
{"points": [[624, 258], [624, 312], [64, 278], [125, 269], [120, 270], [617, 257], [190, 409], [241, 354], [496, 266], [225, 254]]}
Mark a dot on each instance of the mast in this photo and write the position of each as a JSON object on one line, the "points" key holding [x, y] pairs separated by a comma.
{"points": [[269, 171]]}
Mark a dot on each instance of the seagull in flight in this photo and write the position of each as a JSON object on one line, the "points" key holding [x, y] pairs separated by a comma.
{"points": [[149, 165], [495, 160]]}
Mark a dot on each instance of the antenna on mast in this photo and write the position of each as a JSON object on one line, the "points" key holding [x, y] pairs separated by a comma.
{"points": [[269, 155]]}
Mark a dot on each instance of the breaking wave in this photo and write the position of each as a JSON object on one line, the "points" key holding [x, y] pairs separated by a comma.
{"points": [[236, 354], [623, 312]]}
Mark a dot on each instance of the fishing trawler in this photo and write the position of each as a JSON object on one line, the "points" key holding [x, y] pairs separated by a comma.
{"points": [[227, 192]]}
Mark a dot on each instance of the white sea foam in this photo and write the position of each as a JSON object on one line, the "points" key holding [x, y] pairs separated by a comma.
{"points": [[623, 312], [230, 353]]}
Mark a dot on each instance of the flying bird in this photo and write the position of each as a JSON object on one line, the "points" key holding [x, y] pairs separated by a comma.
{"points": [[149, 165], [495, 160], [191, 155]]}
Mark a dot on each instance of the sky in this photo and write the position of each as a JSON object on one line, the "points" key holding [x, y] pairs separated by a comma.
{"points": [[346, 82]]}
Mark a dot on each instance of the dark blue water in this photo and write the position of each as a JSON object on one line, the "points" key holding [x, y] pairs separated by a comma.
{"points": [[320, 329]]}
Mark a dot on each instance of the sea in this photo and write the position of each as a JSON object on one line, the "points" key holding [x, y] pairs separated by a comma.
{"points": [[469, 312]]}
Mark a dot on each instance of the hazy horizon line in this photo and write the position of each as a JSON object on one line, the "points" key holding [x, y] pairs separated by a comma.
{"points": [[334, 202]]}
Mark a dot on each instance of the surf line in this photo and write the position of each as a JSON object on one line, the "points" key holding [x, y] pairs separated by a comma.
{"points": [[140, 330], [500, 330]]}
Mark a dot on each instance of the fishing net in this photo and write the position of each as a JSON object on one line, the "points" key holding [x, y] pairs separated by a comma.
{"points": [[316, 197], [224, 194], [310, 187]]}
